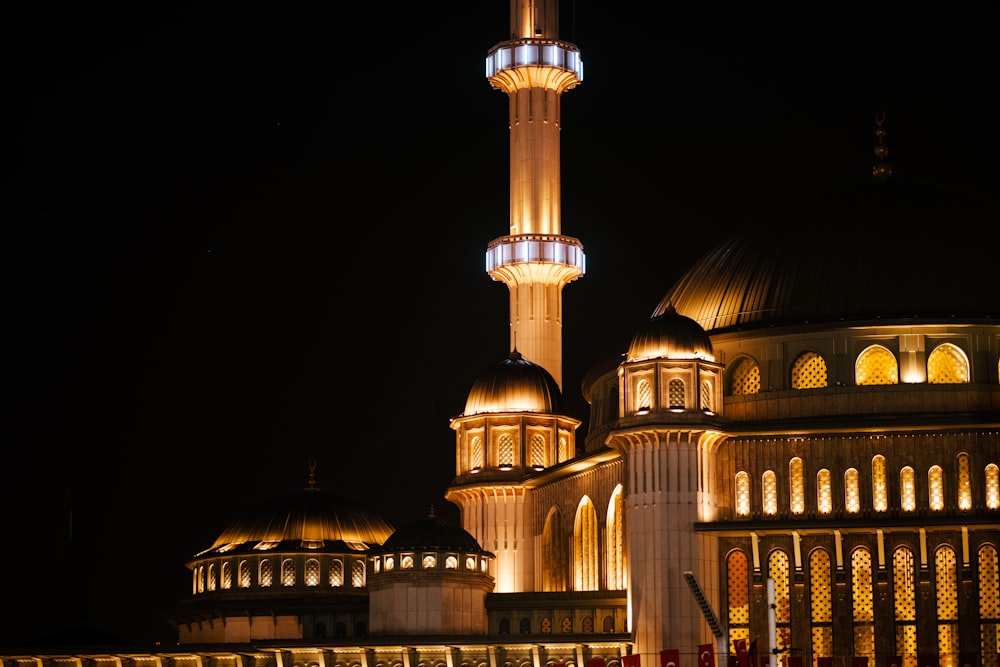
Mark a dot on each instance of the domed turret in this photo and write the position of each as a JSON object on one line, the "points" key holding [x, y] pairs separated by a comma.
{"points": [[670, 335], [431, 576], [515, 385]]}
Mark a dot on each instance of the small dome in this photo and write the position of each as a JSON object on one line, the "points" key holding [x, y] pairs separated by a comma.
{"points": [[432, 532], [670, 335], [309, 519], [515, 385]]}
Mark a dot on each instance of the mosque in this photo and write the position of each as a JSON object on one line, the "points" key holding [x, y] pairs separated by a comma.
{"points": [[795, 462]]}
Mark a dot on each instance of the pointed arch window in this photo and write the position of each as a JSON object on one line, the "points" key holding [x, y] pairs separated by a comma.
{"points": [[738, 592], [797, 486], [863, 604], [227, 575], [745, 377], [907, 489], [946, 598], [742, 493], [824, 492], [777, 569], [585, 549], [904, 598], [809, 371], [555, 550], [615, 532], [880, 491], [989, 600], [876, 365], [820, 603], [947, 364], [852, 491], [935, 488]]}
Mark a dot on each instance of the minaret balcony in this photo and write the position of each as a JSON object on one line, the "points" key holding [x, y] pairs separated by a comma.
{"points": [[534, 53], [536, 248]]}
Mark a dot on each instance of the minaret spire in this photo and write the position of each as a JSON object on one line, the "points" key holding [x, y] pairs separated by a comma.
{"points": [[535, 260]]}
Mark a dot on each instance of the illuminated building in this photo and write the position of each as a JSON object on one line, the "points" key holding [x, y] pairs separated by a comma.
{"points": [[800, 449]]}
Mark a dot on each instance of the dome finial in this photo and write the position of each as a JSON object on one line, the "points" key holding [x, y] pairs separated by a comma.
{"points": [[882, 169], [311, 479]]}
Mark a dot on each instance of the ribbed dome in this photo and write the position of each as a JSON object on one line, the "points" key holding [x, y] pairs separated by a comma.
{"points": [[432, 532], [310, 519], [515, 385], [885, 250], [670, 335]]}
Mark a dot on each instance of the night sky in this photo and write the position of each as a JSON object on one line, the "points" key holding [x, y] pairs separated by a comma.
{"points": [[246, 237]]}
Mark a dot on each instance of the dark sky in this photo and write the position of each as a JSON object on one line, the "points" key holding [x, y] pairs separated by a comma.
{"points": [[245, 237]]}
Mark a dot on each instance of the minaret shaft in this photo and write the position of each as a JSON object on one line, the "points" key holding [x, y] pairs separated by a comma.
{"points": [[535, 261]]}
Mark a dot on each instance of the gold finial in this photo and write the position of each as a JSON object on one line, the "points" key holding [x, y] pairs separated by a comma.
{"points": [[882, 169]]}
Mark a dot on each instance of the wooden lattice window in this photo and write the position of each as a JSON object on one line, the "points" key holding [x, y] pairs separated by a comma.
{"points": [[947, 364], [876, 365], [745, 377], [809, 371]]}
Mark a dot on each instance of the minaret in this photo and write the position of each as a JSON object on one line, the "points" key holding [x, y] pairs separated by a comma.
{"points": [[535, 260]]}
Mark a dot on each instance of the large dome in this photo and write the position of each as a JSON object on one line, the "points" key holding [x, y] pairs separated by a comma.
{"points": [[514, 385], [882, 251], [310, 519]]}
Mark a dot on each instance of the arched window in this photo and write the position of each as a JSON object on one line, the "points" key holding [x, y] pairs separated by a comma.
{"points": [[451, 563], [585, 549], [744, 378], [429, 562], [201, 578], [312, 572], [742, 493], [947, 364], [769, 485], [880, 491], [505, 450], [809, 371], [567, 624], [989, 595], [992, 474], [675, 393], [907, 489], [876, 365], [904, 596], [863, 604], [525, 626], [797, 501], [244, 574], [264, 574], [476, 460], [564, 453], [406, 562], [555, 561], [288, 572], [777, 570], [538, 450], [820, 603], [211, 577], [615, 531], [194, 581], [964, 483], [852, 491], [587, 624], [643, 395], [824, 492], [946, 598], [738, 592], [358, 574], [336, 573], [227, 575], [706, 396], [935, 488], [505, 626]]}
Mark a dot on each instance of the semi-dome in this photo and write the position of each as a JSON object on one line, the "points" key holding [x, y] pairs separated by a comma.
{"points": [[310, 519], [670, 335], [514, 385], [882, 251], [432, 532]]}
